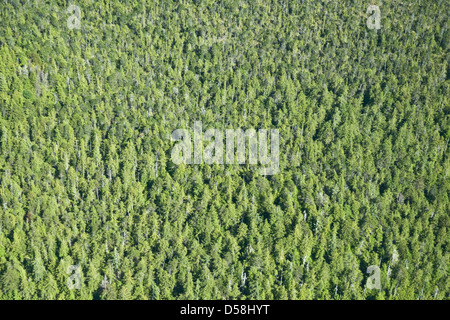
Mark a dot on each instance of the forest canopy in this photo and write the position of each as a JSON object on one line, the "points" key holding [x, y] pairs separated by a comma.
{"points": [[93, 207]]}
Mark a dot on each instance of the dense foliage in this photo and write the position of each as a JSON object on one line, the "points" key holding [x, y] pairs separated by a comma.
{"points": [[86, 176]]}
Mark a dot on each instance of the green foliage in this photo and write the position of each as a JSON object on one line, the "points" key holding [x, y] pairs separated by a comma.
{"points": [[86, 176]]}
